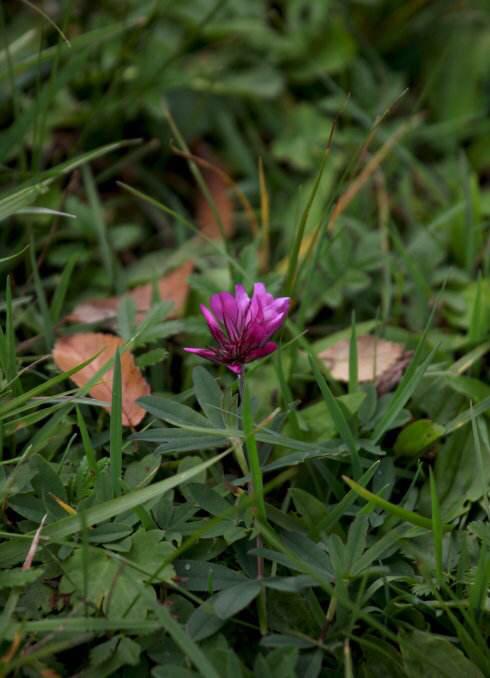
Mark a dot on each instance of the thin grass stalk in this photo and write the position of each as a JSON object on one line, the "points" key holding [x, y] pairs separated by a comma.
{"points": [[116, 427]]}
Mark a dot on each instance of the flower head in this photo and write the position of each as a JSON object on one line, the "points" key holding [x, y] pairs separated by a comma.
{"points": [[242, 326]]}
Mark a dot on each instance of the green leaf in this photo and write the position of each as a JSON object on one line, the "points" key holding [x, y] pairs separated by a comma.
{"points": [[150, 358], [106, 658], [209, 396], [425, 654], [203, 622], [18, 577], [149, 551], [173, 412], [12, 552], [230, 601], [280, 663], [178, 441], [301, 141], [204, 576], [112, 588], [319, 422], [472, 388], [457, 473], [417, 437], [312, 509], [346, 502]]}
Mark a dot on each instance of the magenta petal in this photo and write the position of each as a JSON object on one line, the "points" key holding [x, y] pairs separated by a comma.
{"points": [[257, 335], [261, 352], [235, 368], [242, 326], [208, 353], [225, 309], [242, 300], [262, 294], [223, 304], [274, 324], [257, 302], [214, 328], [275, 315], [280, 306]]}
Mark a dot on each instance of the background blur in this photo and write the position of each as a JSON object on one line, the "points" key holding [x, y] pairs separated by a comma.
{"points": [[366, 122]]}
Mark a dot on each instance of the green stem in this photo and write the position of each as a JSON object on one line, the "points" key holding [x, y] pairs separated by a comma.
{"points": [[252, 451], [256, 487]]}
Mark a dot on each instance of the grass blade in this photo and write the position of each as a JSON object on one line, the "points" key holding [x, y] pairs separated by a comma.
{"points": [[87, 443], [184, 641], [296, 248], [14, 200], [62, 288], [10, 358], [406, 387], [436, 526], [397, 511], [116, 427], [252, 452], [338, 417], [99, 224], [9, 407], [353, 361], [47, 324]]}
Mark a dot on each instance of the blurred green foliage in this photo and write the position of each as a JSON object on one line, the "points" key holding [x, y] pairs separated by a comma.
{"points": [[89, 95]]}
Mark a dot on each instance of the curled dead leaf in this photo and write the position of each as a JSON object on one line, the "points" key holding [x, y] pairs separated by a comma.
{"points": [[378, 360], [172, 287], [77, 348]]}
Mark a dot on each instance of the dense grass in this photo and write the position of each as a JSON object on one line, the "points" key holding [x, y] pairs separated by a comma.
{"points": [[307, 526]]}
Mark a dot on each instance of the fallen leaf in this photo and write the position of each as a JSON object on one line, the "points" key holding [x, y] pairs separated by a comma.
{"points": [[75, 349], [218, 185], [172, 287], [393, 374], [377, 360]]}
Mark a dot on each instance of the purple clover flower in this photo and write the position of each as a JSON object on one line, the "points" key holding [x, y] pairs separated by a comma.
{"points": [[242, 326]]}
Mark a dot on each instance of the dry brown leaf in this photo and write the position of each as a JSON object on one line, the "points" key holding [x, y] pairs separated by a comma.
{"points": [[219, 188], [377, 359], [393, 374], [172, 287], [77, 348]]}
